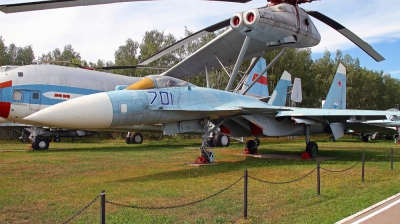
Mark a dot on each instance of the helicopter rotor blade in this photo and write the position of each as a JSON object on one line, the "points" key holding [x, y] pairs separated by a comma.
{"points": [[348, 34], [67, 62], [54, 4], [131, 67]]}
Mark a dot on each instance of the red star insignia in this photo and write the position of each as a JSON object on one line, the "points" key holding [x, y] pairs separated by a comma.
{"points": [[339, 83]]}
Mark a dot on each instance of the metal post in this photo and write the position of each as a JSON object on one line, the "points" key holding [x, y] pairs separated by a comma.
{"points": [[264, 71], [318, 178], [391, 158], [207, 78], [103, 207], [363, 166], [245, 194]]}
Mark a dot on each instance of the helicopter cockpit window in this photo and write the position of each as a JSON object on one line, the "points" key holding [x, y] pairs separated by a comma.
{"points": [[7, 68]]}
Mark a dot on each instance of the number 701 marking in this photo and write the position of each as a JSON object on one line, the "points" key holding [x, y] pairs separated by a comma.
{"points": [[166, 98]]}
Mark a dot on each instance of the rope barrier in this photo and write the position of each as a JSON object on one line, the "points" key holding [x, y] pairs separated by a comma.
{"points": [[173, 206], [285, 182], [82, 210], [338, 171]]}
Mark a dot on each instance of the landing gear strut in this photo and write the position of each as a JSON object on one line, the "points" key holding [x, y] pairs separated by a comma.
{"points": [[207, 156]]}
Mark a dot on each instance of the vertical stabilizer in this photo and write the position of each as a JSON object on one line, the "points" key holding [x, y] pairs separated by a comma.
{"points": [[336, 98], [297, 94], [259, 89], [278, 97]]}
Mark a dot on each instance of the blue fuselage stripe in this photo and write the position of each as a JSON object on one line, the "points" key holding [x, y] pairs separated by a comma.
{"points": [[6, 93]]}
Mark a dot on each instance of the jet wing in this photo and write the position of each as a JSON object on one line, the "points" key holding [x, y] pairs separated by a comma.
{"points": [[331, 116], [225, 49], [225, 111], [368, 128]]}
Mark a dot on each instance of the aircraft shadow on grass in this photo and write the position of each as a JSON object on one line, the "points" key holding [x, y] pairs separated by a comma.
{"points": [[247, 163]]}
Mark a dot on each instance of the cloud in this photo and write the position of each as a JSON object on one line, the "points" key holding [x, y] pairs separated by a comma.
{"points": [[97, 31], [396, 72]]}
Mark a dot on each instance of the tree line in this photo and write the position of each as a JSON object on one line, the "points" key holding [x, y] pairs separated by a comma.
{"points": [[366, 89]]}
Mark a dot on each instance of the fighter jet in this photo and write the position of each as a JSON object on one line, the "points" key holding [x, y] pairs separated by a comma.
{"points": [[181, 107]]}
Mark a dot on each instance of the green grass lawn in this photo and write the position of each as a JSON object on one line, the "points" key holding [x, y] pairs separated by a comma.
{"points": [[53, 185]]}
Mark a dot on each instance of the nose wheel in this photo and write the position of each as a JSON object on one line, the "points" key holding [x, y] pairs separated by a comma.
{"points": [[41, 143]]}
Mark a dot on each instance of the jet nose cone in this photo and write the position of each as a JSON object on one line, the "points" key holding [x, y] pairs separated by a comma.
{"points": [[86, 112]]}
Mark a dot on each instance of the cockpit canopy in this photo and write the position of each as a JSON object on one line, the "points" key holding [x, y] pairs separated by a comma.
{"points": [[158, 82]]}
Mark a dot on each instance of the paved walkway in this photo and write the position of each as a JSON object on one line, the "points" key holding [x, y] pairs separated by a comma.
{"points": [[384, 212]]}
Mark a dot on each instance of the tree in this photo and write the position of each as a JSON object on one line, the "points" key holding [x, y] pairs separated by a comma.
{"points": [[3, 52], [68, 54], [127, 55], [153, 42]]}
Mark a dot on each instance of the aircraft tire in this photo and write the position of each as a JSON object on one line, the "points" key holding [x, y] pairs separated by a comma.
{"points": [[217, 140], [312, 149], [41, 144], [136, 138], [210, 142], [128, 140], [365, 138], [225, 140], [250, 145], [57, 139], [221, 140]]}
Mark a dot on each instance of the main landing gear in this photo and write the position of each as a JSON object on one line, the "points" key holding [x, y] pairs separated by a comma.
{"points": [[365, 138], [207, 156], [218, 140], [311, 147], [252, 146]]}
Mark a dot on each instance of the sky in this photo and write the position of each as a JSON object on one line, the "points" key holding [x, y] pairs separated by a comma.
{"points": [[96, 32]]}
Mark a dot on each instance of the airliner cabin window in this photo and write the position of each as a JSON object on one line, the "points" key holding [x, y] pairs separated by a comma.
{"points": [[17, 95], [20, 74]]}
